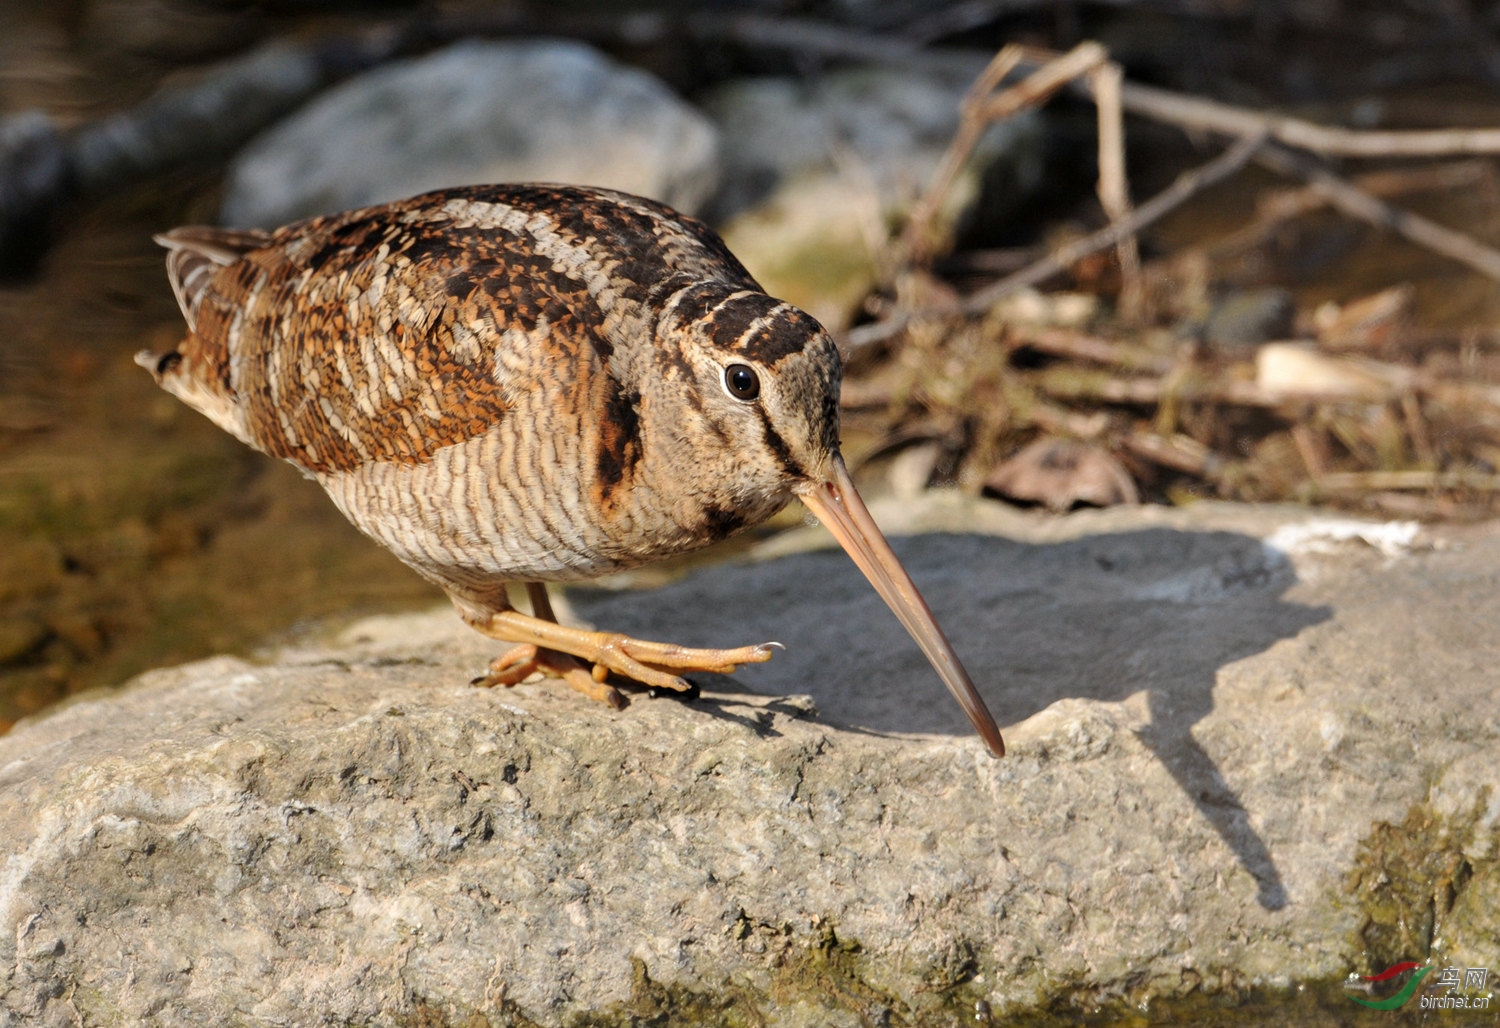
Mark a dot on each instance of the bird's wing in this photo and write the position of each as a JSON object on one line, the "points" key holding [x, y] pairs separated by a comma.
{"points": [[388, 333], [196, 252]]}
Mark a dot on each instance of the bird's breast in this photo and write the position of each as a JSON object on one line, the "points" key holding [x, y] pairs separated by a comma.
{"points": [[540, 498]]}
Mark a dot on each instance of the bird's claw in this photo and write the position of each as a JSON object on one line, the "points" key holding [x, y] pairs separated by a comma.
{"points": [[519, 663], [512, 667], [547, 646], [652, 663]]}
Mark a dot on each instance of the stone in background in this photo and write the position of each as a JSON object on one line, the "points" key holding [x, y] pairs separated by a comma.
{"points": [[817, 169], [529, 111]]}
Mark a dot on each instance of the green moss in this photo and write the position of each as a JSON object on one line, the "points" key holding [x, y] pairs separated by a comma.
{"points": [[428, 1015], [1422, 896], [826, 979], [824, 973], [654, 1004], [832, 964]]}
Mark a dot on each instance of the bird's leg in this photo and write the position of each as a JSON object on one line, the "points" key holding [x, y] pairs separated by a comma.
{"points": [[519, 662], [541, 603], [650, 663]]}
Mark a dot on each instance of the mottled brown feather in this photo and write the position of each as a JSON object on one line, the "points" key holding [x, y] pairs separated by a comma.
{"points": [[368, 335]]}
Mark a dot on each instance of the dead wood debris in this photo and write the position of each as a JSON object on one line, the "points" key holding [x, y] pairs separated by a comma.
{"points": [[1062, 399]]}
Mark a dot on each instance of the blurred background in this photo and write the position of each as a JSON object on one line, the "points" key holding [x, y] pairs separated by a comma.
{"points": [[1317, 325]]}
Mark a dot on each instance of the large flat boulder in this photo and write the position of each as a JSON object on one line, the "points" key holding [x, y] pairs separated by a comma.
{"points": [[1251, 751], [477, 112]]}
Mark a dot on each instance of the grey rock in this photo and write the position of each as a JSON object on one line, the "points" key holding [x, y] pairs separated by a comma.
{"points": [[1248, 749], [201, 117], [882, 128], [1243, 319], [815, 170], [477, 112], [33, 178]]}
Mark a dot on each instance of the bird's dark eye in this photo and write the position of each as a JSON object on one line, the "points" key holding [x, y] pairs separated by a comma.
{"points": [[741, 381]]}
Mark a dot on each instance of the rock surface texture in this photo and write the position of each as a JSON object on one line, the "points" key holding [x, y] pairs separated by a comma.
{"points": [[1251, 750], [477, 112]]}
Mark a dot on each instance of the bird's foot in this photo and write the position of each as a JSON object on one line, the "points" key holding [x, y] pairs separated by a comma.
{"points": [[649, 663], [520, 662]]}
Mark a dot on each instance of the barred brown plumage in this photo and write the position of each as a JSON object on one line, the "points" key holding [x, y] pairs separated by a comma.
{"points": [[529, 384]]}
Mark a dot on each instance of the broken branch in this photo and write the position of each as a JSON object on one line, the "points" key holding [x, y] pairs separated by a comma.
{"points": [[1349, 198], [1197, 114], [980, 108], [1187, 185]]}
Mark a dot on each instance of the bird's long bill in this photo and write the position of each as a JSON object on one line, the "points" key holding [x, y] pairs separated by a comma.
{"points": [[836, 503]]}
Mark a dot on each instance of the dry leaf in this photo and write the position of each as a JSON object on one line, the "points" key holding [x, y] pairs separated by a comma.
{"points": [[1061, 474]]}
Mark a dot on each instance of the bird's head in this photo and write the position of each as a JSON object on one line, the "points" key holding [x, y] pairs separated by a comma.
{"points": [[752, 387], [757, 385]]}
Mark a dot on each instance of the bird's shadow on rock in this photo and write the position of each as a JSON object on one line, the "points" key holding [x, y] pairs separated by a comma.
{"points": [[1100, 617]]}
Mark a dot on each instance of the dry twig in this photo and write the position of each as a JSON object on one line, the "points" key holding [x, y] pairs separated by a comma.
{"points": [[982, 107], [1373, 481], [1193, 113], [1187, 185], [1105, 80], [1176, 451], [1074, 345], [1357, 203], [1280, 206]]}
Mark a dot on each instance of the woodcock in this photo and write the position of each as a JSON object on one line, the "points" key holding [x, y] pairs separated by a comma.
{"points": [[530, 384]]}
